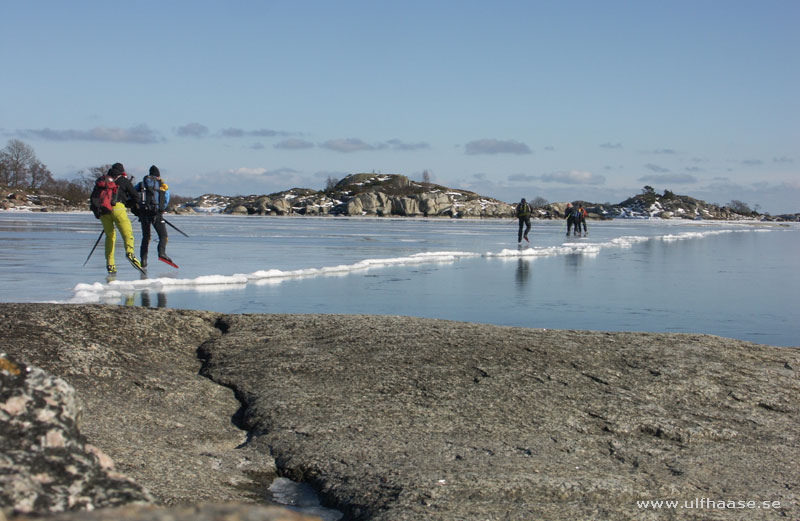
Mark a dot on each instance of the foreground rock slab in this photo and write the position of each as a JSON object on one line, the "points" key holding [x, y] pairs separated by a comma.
{"points": [[398, 418], [145, 405], [395, 418]]}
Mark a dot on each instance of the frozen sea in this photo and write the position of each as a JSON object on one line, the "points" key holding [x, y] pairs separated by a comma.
{"points": [[737, 280]]}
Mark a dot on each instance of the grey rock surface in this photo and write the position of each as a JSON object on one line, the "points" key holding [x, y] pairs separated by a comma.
{"points": [[145, 405], [45, 463], [394, 418]]}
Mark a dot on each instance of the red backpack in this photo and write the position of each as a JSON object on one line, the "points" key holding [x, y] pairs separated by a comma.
{"points": [[104, 196]]}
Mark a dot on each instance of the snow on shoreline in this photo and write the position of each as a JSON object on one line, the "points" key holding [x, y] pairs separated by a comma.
{"points": [[104, 292]]}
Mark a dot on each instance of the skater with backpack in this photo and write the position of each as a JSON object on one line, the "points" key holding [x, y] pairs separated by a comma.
{"points": [[153, 198], [112, 195], [581, 221], [524, 212], [575, 216]]}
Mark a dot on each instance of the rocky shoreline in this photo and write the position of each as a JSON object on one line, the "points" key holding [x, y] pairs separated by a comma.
{"points": [[392, 195], [395, 418]]}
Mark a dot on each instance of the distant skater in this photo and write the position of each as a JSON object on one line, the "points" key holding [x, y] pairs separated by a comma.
{"points": [[575, 214], [570, 218], [581, 221], [524, 215], [153, 200]]}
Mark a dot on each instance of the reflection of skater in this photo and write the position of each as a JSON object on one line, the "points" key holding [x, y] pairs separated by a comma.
{"points": [[524, 215], [161, 301]]}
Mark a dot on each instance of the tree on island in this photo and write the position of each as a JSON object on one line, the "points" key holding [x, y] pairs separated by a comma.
{"points": [[20, 168], [740, 207], [539, 202]]}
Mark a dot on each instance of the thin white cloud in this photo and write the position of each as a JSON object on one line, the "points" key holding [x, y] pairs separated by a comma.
{"points": [[233, 132], [192, 130], [140, 134], [574, 177], [656, 168], [523, 178], [495, 146], [247, 171], [349, 145], [294, 144], [400, 145], [669, 178]]}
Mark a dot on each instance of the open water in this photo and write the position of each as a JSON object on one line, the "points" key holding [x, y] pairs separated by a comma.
{"points": [[736, 280]]}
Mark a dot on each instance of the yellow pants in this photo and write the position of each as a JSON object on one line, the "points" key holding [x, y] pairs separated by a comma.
{"points": [[118, 216]]}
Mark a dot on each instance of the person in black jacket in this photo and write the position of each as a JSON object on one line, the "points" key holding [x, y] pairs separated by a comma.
{"points": [[524, 212], [153, 200], [570, 218]]}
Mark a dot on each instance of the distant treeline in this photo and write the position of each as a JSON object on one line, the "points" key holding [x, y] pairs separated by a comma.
{"points": [[21, 169]]}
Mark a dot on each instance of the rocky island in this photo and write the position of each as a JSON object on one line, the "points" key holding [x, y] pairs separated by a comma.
{"points": [[172, 414], [394, 195]]}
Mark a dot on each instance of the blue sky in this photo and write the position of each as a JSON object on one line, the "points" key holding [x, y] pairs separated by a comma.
{"points": [[564, 100]]}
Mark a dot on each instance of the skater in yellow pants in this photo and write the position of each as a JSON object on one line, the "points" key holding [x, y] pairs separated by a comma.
{"points": [[118, 217]]}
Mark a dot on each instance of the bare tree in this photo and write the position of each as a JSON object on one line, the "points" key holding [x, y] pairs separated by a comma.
{"points": [[39, 174], [330, 184], [17, 159], [740, 207], [426, 176], [4, 174], [86, 178], [539, 202]]}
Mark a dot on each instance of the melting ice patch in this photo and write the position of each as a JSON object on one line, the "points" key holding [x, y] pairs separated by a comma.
{"points": [[114, 290]]}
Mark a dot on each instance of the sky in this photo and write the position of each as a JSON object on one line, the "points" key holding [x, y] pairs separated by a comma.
{"points": [[563, 100]]}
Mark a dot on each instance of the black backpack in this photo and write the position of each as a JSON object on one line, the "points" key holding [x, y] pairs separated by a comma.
{"points": [[151, 198], [104, 196]]}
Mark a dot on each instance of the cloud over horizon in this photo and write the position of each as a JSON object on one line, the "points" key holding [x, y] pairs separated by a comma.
{"points": [[192, 130], [139, 134], [574, 177], [656, 168], [669, 178], [348, 145], [262, 132], [495, 146], [401, 145], [293, 144]]}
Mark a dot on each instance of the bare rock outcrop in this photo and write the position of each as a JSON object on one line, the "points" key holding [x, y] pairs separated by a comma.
{"points": [[45, 463]]}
